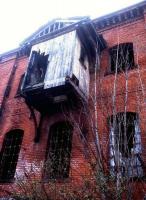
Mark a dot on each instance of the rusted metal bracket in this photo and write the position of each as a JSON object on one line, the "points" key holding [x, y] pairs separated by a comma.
{"points": [[36, 125]]}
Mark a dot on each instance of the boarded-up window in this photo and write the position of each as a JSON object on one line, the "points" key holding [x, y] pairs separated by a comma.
{"points": [[59, 151], [121, 57], [9, 154], [125, 145]]}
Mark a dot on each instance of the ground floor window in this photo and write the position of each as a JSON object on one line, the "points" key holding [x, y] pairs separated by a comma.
{"points": [[125, 145], [59, 151], [9, 154]]}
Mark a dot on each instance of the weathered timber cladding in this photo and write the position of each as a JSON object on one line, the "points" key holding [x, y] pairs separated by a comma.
{"points": [[79, 70], [63, 61]]}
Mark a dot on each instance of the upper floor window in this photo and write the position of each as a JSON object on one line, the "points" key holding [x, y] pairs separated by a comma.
{"points": [[125, 145], [37, 68], [9, 154], [83, 58], [18, 93], [121, 57], [59, 151]]}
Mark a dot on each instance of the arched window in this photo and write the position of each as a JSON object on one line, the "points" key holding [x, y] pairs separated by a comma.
{"points": [[121, 57], [9, 154], [59, 151], [125, 145]]}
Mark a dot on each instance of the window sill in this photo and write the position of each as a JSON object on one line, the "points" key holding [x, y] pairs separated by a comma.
{"points": [[121, 72]]}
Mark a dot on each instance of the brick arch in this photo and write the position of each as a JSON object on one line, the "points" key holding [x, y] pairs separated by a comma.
{"points": [[54, 119], [9, 154], [15, 130]]}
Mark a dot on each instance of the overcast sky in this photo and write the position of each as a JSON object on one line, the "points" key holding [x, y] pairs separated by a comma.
{"points": [[20, 18]]}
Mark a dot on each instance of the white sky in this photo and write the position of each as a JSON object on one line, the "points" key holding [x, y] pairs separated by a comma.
{"points": [[20, 18]]}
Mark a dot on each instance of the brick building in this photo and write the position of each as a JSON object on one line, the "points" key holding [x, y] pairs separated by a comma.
{"points": [[50, 85]]}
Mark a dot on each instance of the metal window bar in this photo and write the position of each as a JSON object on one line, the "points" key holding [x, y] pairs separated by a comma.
{"points": [[9, 156]]}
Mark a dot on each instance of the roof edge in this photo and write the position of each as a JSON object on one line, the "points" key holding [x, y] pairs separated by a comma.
{"points": [[140, 4]]}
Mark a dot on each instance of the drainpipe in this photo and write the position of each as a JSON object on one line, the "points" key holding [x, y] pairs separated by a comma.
{"points": [[8, 87]]}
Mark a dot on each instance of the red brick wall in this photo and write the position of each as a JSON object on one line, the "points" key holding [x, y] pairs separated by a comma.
{"points": [[134, 32], [17, 115]]}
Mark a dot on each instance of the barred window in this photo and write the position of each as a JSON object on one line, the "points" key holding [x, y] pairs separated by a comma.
{"points": [[125, 145], [121, 57], [9, 154], [59, 151]]}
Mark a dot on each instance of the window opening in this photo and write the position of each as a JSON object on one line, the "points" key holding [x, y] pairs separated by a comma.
{"points": [[37, 68], [52, 28], [9, 154], [59, 151], [122, 57], [83, 58], [125, 145], [56, 26], [47, 30], [20, 84]]}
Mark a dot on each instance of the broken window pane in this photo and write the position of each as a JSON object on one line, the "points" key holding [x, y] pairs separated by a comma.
{"points": [[121, 57], [125, 145], [37, 68]]}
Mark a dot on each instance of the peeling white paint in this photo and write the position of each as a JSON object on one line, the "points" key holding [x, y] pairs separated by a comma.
{"points": [[63, 61]]}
